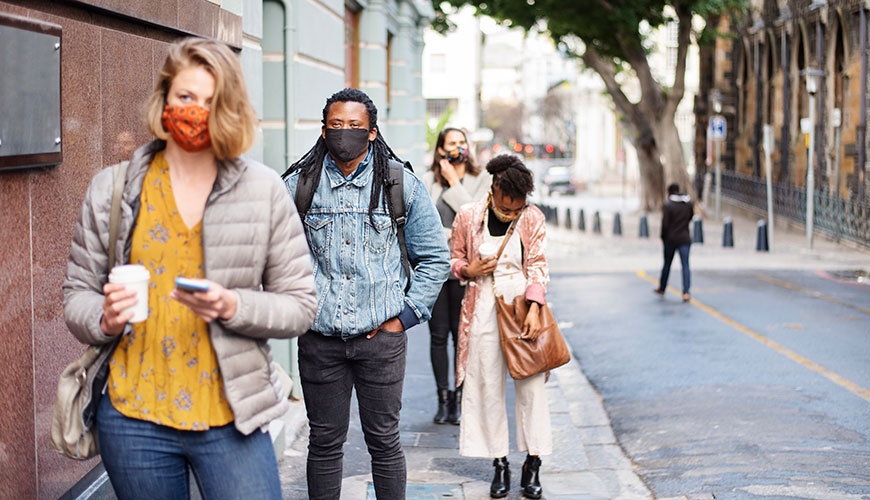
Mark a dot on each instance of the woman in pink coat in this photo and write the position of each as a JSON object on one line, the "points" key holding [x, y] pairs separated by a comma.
{"points": [[478, 231]]}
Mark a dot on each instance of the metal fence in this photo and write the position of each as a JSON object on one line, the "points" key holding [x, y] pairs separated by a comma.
{"points": [[833, 215]]}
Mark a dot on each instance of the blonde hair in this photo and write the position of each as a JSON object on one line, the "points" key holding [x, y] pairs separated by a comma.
{"points": [[232, 120]]}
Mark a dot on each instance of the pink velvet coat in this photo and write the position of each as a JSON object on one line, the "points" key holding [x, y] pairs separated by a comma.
{"points": [[468, 234]]}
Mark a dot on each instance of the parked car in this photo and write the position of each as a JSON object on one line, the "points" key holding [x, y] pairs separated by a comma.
{"points": [[559, 180]]}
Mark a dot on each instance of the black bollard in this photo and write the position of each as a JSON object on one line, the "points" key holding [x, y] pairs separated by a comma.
{"points": [[728, 233], [644, 226], [596, 223], [568, 217], [697, 230], [556, 216], [581, 223], [617, 225], [761, 241]]}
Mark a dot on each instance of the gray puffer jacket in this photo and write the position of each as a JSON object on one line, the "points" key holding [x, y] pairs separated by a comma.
{"points": [[253, 244]]}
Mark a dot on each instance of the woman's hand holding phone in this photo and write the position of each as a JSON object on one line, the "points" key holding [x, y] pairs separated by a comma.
{"points": [[206, 298]]}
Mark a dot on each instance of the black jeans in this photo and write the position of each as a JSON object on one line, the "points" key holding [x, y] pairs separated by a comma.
{"points": [[330, 368], [670, 250], [443, 324]]}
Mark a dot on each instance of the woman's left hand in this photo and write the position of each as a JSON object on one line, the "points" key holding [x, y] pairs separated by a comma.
{"points": [[215, 303], [532, 324]]}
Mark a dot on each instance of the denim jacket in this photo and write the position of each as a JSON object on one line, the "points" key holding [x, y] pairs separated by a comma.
{"points": [[358, 269]]}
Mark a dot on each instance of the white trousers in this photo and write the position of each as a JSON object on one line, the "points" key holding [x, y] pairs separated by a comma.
{"points": [[484, 428]]}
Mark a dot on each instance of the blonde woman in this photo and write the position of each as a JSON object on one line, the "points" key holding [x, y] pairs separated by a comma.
{"points": [[193, 387]]}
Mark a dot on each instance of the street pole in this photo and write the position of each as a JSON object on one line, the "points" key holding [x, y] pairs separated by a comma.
{"points": [[811, 176], [836, 121], [768, 150], [718, 178]]}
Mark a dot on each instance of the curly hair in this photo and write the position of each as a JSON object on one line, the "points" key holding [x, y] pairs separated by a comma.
{"points": [[311, 163], [511, 176]]}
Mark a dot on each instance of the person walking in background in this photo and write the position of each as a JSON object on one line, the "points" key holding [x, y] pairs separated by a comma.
{"points": [[358, 338], [478, 231], [453, 180], [677, 213], [193, 388]]}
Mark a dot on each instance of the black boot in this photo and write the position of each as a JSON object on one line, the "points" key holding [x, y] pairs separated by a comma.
{"points": [[501, 480], [454, 411], [531, 480], [443, 406]]}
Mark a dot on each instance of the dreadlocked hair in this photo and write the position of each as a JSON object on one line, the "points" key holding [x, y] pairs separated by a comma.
{"points": [[511, 176], [311, 164]]}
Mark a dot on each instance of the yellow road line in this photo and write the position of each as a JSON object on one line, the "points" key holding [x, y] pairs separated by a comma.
{"points": [[821, 370], [812, 293]]}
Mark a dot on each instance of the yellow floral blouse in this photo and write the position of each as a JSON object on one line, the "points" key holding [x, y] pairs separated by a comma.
{"points": [[165, 371]]}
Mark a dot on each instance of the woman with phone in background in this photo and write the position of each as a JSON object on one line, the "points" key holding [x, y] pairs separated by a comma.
{"points": [[193, 388], [453, 180]]}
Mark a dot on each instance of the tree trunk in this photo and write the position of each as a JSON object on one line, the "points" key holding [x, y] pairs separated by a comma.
{"points": [[668, 139]]}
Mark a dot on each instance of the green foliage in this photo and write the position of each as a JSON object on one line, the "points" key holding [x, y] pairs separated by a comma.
{"points": [[432, 132], [611, 26]]}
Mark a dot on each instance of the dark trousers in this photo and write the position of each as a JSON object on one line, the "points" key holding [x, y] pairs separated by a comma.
{"points": [[330, 368], [444, 324], [670, 250]]}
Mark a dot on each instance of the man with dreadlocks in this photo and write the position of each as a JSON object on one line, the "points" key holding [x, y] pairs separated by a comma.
{"points": [[365, 301]]}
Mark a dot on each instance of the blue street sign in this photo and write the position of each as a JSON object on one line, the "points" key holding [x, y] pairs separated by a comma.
{"points": [[717, 127]]}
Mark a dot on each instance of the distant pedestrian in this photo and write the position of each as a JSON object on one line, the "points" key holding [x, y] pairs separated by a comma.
{"points": [[358, 340], [481, 367], [192, 388], [676, 216], [453, 180]]}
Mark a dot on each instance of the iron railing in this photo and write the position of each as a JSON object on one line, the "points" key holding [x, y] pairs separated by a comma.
{"points": [[833, 215]]}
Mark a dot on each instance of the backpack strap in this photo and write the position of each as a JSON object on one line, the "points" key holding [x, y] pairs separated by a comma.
{"points": [[119, 175], [397, 210]]}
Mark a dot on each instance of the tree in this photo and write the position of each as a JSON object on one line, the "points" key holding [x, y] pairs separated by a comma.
{"points": [[609, 37]]}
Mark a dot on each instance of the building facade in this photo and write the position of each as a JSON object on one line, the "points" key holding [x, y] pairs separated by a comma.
{"points": [[799, 70], [294, 53]]}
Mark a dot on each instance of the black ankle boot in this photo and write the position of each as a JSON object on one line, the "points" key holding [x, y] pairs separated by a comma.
{"points": [[531, 480], [454, 410], [501, 480], [443, 406]]}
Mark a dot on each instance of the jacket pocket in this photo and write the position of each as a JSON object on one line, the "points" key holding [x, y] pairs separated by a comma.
{"points": [[318, 228], [379, 235]]}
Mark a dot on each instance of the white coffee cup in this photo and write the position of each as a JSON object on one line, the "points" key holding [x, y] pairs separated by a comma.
{"points": [[135, 277], [488, 249]]}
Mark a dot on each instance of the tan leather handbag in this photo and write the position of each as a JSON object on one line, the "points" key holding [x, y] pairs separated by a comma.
{"points": [[73, 429], [528, 357]]}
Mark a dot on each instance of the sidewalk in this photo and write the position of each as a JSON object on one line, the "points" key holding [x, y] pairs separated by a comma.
{"points": [[588, 463]]}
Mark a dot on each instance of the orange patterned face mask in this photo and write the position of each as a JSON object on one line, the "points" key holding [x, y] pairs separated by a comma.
{"points": [[188, 126]]}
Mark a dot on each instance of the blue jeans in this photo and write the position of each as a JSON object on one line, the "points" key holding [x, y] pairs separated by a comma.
{"points": [[670, 250], [330, 368], [145, 460]]}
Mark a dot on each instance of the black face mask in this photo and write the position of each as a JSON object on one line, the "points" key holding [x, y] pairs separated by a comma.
{"points": [[345, 144]]}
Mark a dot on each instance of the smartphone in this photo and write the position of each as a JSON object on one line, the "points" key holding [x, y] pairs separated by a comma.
{"points": [[191, 285]]}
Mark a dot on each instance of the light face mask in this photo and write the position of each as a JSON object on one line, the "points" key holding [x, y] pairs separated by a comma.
{"points": [[347, 143], [188, 126], [499, 214]]}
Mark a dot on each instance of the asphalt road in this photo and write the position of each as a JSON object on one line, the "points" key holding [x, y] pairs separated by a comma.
{"points": [[756, 389]]}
